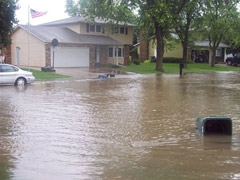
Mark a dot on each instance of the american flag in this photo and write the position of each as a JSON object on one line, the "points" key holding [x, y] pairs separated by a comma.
{"points": [[35, 14]]}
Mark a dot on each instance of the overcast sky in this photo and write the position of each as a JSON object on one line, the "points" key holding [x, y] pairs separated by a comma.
{"points": [[55, 11]]}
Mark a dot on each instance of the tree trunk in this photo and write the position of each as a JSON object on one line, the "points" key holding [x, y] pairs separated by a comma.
{"points": [[213, 62], [186, 37], [185, 51], [160, 47]]}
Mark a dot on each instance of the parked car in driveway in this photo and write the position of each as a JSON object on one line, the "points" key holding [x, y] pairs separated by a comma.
{"points": [[233, 61], [10, 74]]}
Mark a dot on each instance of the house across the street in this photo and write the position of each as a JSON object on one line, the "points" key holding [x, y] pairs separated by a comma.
{"points": [[80, 43], [198, 52]]}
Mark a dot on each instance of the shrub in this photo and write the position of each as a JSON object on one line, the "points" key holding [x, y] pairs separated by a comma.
{"points": [[153, 59], [169, 60], [112, 66], [172, 60], [136, 62], [147, 61]]}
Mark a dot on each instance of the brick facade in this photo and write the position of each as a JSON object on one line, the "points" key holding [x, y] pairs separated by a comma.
{"points": [[7, 53], [92, 56], [103, 54], [48, 54], [126, 54]]}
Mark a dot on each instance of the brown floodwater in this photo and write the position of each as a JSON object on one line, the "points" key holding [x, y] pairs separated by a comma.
{"points": [[128, 127]]}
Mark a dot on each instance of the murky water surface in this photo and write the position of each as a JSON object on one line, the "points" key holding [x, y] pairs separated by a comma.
{"points": [[127, 127]]}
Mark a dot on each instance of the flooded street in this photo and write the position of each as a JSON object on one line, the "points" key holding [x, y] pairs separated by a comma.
{"points": [[128, 127]]}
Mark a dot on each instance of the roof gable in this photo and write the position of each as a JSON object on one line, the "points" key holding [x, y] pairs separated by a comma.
{"points": [[81, 19], [206, 44], [64, 35]]}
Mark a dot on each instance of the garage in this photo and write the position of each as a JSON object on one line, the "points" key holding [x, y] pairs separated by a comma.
{"points": [[71, 57]]}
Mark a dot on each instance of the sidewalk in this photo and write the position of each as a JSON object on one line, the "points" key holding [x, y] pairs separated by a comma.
{"points": [[85, 73], [77, 73]]}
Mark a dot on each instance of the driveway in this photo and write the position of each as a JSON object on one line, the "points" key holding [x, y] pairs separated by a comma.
{"points": [[80, 73]]}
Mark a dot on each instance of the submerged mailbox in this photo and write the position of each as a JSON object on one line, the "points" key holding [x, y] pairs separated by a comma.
{"points": [[214, 125]]}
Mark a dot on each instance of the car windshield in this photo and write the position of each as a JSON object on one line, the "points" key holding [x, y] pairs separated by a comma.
{"points": [[238, 55], [6, 68]]}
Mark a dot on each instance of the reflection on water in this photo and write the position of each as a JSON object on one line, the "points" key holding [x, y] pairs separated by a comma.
{"points": [[128, 127]]}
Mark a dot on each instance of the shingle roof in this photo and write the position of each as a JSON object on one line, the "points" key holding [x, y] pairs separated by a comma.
{"points": [[206, 44], [78, 19], [65, 35]]}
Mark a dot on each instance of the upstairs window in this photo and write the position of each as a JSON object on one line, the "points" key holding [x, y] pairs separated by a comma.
{"points": [[94, 28], [121, 30], [98, 28]]}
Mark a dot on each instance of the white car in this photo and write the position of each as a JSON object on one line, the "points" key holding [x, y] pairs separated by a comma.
{"points": [[10, 74]]}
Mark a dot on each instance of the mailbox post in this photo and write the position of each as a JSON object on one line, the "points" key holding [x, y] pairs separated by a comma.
{"points": [[181, 66], [54, 44]]}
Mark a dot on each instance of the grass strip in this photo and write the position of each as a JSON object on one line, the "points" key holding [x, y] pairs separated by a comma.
{"points": [[173, 68], [39, 75]]}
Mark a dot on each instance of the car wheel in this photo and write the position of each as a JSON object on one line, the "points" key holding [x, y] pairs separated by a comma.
{"points": [[229, 63], [20, 82]]}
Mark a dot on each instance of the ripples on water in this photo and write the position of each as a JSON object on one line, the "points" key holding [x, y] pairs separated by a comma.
{"points": [[129, 127]]}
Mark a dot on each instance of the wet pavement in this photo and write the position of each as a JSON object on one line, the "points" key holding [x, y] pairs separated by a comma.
{"points": [[127, 127], [86, 73], [78, 73]]}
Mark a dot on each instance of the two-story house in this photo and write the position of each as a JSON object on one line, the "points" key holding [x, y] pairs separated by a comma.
{"points": [[80, 44]]}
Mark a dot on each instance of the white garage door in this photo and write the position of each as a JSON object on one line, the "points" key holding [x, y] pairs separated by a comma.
{"points": [[71, 57]]}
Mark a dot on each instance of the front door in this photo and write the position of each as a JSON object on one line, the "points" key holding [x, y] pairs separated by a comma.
{"points": [[17, 56]]}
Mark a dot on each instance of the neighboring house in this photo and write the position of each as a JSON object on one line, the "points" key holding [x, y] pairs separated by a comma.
{"points": [[80, 44], [200, 52], [203, 53]]}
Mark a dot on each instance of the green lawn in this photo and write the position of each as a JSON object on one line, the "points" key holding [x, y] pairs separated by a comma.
{"points": [[149, 68], [39, 75]]}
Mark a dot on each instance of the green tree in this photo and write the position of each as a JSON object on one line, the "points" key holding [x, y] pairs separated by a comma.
{"points": [[156, 18], [233, 37], [7, 20], [185, 13], [218, 20]]}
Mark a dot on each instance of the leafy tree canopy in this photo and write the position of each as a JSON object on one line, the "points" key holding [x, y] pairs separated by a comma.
{"points": [[219, 19], [7, 20]]}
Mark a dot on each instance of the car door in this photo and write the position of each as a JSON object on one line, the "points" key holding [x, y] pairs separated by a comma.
{"points": [[237, 59], [8, 74]]}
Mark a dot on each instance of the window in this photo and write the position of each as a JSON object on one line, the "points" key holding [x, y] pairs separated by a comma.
{"points": [[219, 52], [110, 52], [6, 68], [119, 52], [98, 28], [238, 55], [122, 30], [116, 52], [92, 28]]}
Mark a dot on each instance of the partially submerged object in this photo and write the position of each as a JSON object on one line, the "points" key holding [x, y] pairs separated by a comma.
{"points": [[214, 125], [104, 76]]}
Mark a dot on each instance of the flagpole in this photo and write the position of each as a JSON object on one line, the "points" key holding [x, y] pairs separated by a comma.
{"points": [[28, 36]]}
